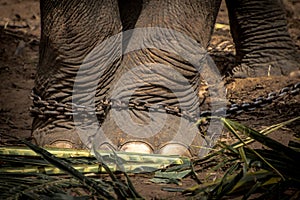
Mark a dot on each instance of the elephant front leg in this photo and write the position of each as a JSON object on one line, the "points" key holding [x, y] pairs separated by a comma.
{"points": [[263, 44], [73, 74], [161, 66]]}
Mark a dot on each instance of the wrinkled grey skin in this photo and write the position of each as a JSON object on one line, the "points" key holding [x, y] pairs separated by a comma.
{"points": [[71, 29]]}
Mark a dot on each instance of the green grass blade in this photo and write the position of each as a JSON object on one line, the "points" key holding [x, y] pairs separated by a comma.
{"points": [[230, 185], [244, 159], [222, 187], [120, 188], [252, 190], [275, 127], [69, 169], [234, 126], [262, 139]]}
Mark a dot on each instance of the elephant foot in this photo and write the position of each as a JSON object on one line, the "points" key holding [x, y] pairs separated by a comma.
{"points": [[70, 139], [172, 136], [277, 68]]}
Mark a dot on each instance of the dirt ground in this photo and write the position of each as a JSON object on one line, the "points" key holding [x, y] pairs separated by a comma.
{"points": [[19, 40]]}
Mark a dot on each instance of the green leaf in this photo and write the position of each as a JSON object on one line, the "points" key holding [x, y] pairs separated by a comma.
{"points": [[169, 176]]}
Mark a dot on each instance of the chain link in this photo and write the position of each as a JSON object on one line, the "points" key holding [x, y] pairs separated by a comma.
{"points": [[51, 108]]}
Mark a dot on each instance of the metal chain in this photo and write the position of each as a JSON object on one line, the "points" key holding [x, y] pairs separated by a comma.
{"points": [[263, 101], [54, 109]]}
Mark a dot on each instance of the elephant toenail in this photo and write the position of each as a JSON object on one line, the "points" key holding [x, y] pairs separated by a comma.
{"points": [[175, 149], [62, 144], [137, 147], [295, 74]]}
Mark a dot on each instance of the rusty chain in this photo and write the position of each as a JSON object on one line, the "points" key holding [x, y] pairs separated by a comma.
{"points": [[51, 108]]}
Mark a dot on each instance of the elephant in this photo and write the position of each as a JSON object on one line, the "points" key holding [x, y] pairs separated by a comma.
{"points": [[87, 41]]}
